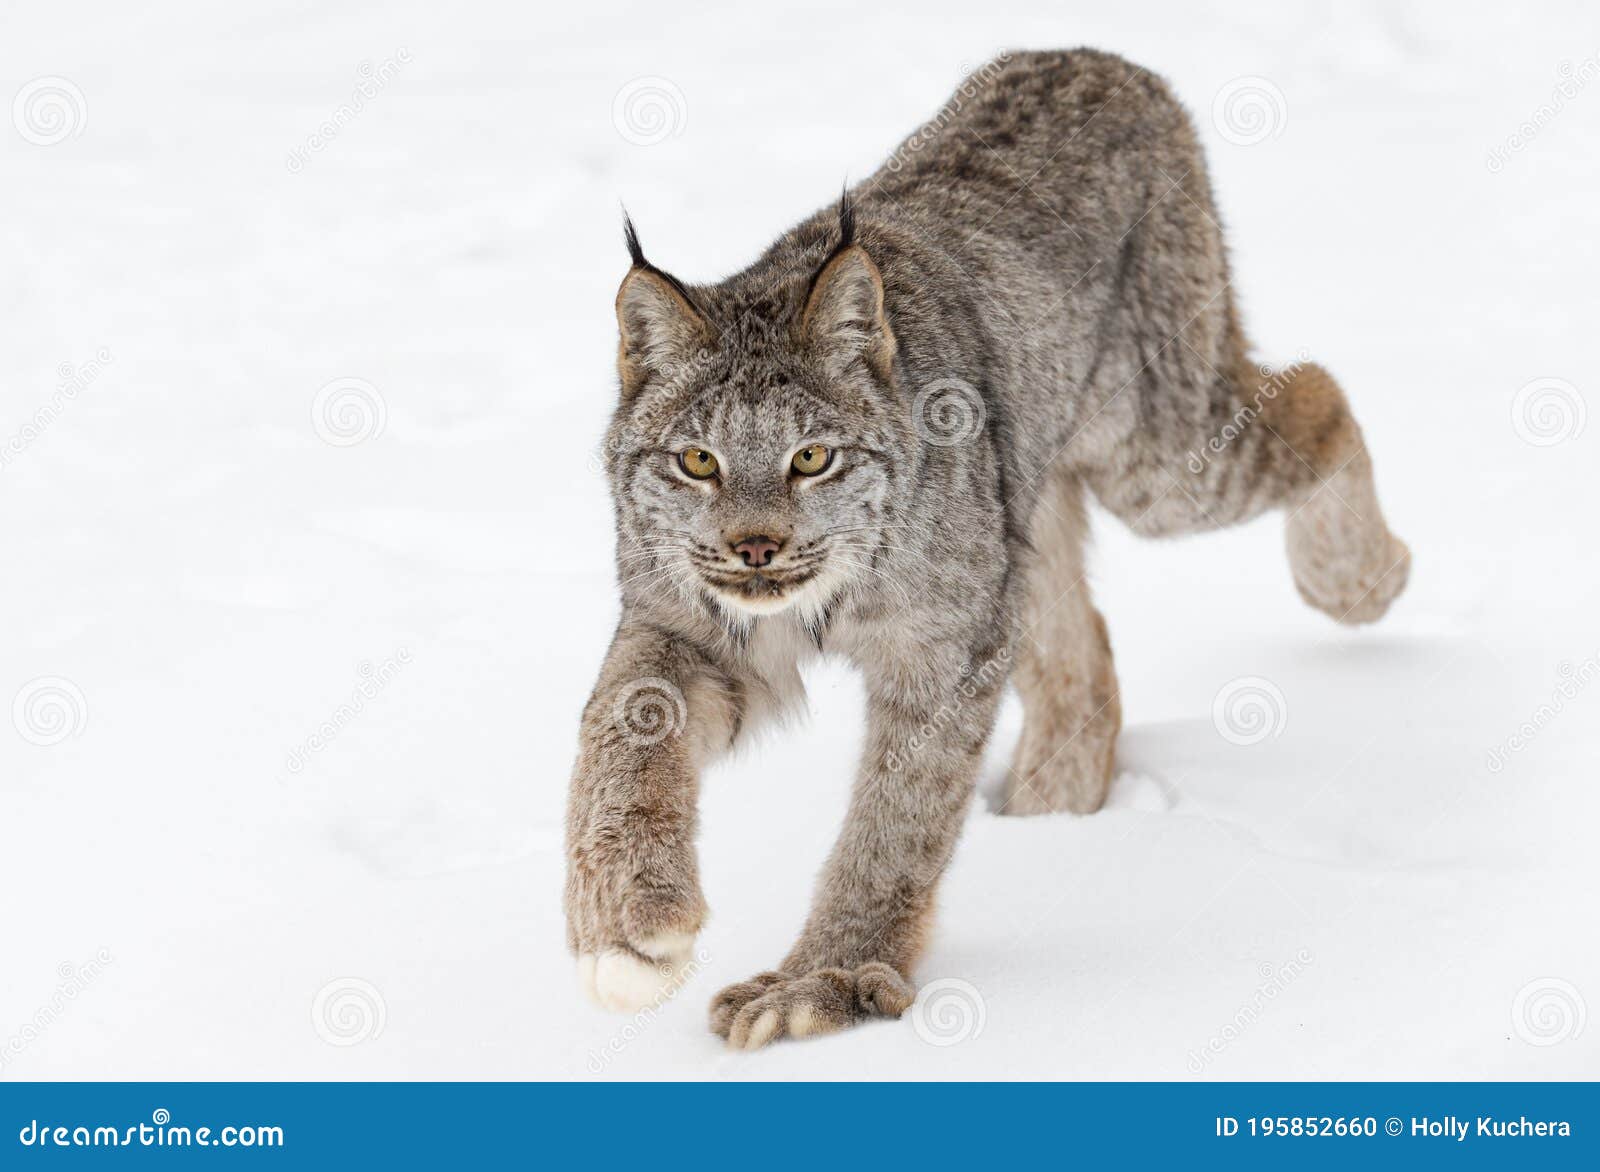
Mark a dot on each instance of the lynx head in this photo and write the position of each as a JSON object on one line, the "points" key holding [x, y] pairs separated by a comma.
{"points": [[759, 449]]}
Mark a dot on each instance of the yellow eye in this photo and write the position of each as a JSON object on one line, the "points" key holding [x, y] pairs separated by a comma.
{"points": [[698, 463], [812, 460]]}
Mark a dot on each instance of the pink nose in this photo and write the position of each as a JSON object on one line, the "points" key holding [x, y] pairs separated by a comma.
{"points": [[756, 551]]}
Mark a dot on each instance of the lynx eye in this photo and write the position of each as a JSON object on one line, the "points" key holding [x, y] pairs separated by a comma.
{"points": [[698, 463], [812, 460]]}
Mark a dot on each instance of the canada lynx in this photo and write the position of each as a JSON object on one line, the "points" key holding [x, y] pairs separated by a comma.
{"points": [[875, 443]]}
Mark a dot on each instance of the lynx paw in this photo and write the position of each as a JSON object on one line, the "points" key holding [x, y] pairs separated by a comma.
{"points": [[1063, 762], [625, 981], [1345, 561], [775, 1005], [634, 955]]}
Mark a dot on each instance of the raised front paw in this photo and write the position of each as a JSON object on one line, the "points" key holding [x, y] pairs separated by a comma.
{"points": [[634, 937], [772, 1005]]}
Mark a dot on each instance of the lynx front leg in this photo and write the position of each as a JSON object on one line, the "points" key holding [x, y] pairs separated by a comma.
{"points": [[871, 912], [1064, 673], [633, 900]]}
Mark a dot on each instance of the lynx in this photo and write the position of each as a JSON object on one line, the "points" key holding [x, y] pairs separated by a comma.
{"points": [[877, 443]]}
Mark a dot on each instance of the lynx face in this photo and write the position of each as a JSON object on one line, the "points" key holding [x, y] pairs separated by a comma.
{"points": [[756, 467], [765, 500]]}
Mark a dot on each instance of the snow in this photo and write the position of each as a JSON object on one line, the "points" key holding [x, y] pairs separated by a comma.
{"points": [[202, 580]]}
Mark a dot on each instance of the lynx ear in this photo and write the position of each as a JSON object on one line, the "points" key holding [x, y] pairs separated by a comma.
{"points": [[843, 319], [660, 330]]}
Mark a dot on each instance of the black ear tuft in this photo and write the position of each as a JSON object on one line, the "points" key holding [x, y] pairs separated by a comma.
{"points": [[632, 237], [847, 220], [847, 236]]}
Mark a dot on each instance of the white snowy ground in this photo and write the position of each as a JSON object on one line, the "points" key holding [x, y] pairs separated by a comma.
{"points": [[208, 575]]}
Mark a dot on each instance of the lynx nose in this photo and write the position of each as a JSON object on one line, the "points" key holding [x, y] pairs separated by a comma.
{"points": [[756, 551]]}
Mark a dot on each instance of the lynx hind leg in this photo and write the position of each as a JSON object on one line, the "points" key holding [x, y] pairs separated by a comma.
{"points": [[1344, 559], [1063, 671], [1271, 439]]}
